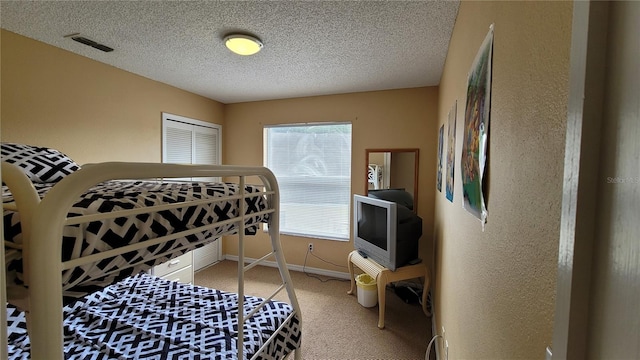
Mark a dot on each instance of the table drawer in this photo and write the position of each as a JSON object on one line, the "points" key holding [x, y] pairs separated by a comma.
{"points": [[184, 275], [173, 264]]}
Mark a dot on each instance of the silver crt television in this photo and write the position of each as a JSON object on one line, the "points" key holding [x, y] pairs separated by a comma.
{"points": [[384, 230]]}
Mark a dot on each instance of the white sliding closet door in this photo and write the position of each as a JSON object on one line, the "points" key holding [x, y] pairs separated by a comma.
{"points": [[190, 141]]}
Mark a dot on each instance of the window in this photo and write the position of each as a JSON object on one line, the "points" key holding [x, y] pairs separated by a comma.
{"points": [[312, 163]]}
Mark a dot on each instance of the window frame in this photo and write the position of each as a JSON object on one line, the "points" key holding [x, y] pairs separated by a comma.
{"points": [[346, 236]]}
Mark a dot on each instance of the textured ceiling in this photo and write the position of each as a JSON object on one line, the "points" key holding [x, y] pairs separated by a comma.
{"points": [[310, 47]]}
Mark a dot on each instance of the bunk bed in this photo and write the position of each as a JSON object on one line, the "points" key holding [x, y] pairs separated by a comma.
{"points": [[78, 241]]}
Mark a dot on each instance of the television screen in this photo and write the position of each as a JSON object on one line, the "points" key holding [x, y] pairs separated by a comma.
{"points": [[372, 225]]}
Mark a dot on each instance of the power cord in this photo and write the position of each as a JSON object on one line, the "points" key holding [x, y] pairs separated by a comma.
{"points": [[428, 353], [304, 267]]}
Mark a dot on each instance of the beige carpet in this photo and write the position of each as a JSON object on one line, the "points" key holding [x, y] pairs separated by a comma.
{"points": [[334, 324]]}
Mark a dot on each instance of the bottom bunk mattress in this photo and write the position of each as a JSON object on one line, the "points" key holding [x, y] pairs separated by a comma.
{"points": [[148, 317]]}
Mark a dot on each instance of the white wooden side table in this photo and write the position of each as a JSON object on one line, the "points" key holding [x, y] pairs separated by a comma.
{"points": [[384, 276]]}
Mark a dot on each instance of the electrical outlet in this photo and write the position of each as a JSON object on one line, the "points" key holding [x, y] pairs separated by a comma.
{"points": [[310, 247]]}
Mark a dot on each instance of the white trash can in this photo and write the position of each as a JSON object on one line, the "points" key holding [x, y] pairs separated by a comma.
{"points": [[367, 290]]}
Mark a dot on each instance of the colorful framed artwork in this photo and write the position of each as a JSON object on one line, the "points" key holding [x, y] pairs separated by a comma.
{"points": [[440, 145], [451, 152]]}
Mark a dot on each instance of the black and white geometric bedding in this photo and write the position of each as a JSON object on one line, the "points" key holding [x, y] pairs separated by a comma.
{"points": [[40, 164], [96, 236], [147, 317]]}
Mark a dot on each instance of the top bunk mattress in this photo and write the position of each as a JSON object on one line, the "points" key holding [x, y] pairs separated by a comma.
{"points": [[97, 236]]}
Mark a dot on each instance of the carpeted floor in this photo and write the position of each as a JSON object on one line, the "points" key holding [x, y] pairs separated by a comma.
{"points": [[334, 324]]}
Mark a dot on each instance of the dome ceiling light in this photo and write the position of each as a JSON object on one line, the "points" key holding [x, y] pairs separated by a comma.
{"points": [[243, 44]]}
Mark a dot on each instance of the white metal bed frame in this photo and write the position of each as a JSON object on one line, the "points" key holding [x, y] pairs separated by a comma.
{"points": [[42, 223]]}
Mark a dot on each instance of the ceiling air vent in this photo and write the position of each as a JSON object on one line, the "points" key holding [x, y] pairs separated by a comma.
{"points": [[93, 44]]}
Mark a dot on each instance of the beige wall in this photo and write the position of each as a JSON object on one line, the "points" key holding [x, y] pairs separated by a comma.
{"points": [[89, 110], [384, 119], [95, 112], [495, 289]]}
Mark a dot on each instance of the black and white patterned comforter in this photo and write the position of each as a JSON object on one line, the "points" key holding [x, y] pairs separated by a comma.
{"points": [[147, 317], [96, 236]]}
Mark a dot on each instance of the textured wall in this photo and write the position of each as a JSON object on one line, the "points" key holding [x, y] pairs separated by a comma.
{"points": [[95, 112], [382, 119], [495, 290], [91, 111]]}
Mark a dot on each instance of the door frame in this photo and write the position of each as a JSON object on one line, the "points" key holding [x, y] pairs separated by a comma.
{"points": [[581, 166]]}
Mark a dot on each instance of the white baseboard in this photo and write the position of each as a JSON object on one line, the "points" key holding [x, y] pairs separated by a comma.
{"points": [[306, 269]]}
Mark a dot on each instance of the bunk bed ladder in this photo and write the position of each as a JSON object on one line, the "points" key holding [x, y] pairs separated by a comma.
{"points": [[274, 234]]}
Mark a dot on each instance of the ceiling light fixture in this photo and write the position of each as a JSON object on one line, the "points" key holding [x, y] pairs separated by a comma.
{"points": [[243, 44]]}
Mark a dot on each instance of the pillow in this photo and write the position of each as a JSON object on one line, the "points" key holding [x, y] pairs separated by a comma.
{"points": [[40, 164]]}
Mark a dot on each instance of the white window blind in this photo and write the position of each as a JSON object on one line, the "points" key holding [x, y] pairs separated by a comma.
{"points": [[312, 163]]}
